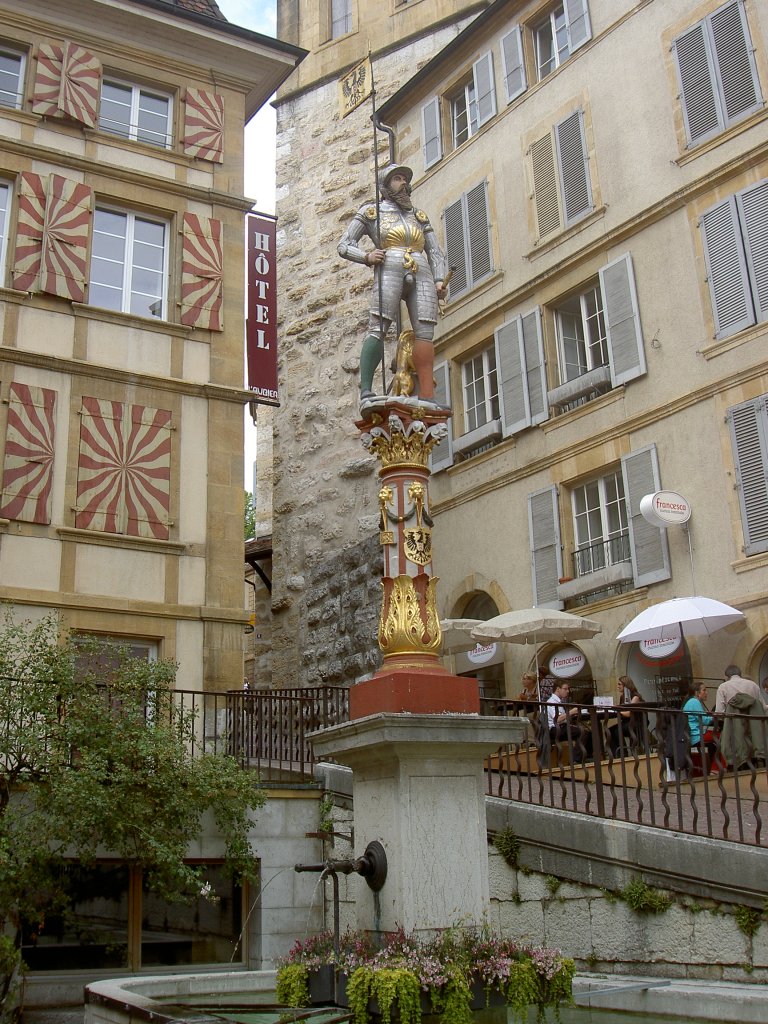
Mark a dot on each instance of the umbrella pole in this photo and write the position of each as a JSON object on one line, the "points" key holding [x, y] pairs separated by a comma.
{"points": [[536, 657]]}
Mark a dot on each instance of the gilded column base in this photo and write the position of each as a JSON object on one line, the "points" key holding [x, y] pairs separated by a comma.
{"points": [[409, 626]]}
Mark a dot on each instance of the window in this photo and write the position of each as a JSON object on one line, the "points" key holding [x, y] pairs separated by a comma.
{"points": [[128, 263], [5, 212], [748, 425], [463, 114], [11, 78], [717, 73], [735, 239], [515, 81], [471, 106], [481, 390], [562, 190], [340, 17], [600, 524], [468, 239], [581, 337], [135, 113], [565, 28]]}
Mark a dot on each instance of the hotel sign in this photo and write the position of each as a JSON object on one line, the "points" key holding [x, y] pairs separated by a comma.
{"points": [[261, 313]]}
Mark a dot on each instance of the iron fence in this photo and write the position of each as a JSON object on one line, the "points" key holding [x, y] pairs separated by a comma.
{"points": [[640, 768]]}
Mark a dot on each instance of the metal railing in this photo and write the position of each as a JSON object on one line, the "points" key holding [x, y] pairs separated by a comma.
{"points": [[641, 768], [594, 557]]}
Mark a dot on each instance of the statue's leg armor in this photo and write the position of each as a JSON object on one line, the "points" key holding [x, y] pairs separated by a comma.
{"points": [[423, 363], [371, 356]]}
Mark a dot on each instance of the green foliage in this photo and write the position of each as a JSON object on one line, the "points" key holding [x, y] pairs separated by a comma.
{"points": [[392, 988], [249, 515], [293, 985], [95, 752], [508, 845], [452, 1000], [748, 919], [326, 811], [641, 898], [553, 884]]}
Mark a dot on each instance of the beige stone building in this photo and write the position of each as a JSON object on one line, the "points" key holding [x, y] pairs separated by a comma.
{"points": [[121, 304], [599, 172]]}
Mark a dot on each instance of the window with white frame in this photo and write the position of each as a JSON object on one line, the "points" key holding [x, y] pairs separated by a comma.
{"points": [[129, 261], [135, 113], [340, 18], [471, 105], [468, 239], [463, 113], [600, 526], [582, 343], [563, 29], [562, 188], [717, 72], [481, 390], [735, 239], [11, 78], [5, 208]]}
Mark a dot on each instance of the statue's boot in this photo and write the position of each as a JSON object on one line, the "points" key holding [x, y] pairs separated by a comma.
{"points": [[371, 355], [423, 362]]}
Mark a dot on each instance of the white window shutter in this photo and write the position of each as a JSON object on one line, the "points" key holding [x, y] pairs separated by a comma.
{"points": [[432, 142], [699, 98], [748, 424], [622, 321], [648, 544], [545, 196], [478, 232], [735, 60], [727, 269], [455, 246], [573, 167], [515, 81], [577, 20], [510, 366], [535, 368], [546, 556], [485, 88], [752, 205], [441, 455]]}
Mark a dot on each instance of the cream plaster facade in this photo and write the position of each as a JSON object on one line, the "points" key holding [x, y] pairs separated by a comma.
{"points": [[181, 589], [632, 240]]}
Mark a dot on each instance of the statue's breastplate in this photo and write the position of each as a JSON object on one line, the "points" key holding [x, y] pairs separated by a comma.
{"points": [[399, 231]]}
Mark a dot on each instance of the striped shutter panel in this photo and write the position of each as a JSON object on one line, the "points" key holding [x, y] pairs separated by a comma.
{"points": [[622, 321], [515, 81], [30, 227], [204, 125], [65, 238], [545, 197], [46, 87], [79, 87], [479, 232], [29, 450], [535, 366], [577, 20], [573, 166], [734, 57], [701, 105], [455, 246], [432, 142], [201, 273], [749, 437], [485, 88], [727, 269], [546, 556], [123, 479], [753, 207], [648, 544], [441, 455], [510, 367]]}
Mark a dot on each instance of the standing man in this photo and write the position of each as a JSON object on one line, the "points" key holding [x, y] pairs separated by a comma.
{"points": [[734, 684], [412, 267]]}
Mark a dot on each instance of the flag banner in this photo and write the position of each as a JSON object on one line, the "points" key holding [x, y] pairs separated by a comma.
{"points": [[355, 87], [261, 317]]}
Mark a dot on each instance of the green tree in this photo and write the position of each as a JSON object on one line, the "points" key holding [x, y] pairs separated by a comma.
{"points": [[249, 515], [95, 752]]}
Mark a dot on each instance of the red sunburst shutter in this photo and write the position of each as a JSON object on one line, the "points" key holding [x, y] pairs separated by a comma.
{"points": [[66, 83], [204, 125], [28, 466], [201, 273]]}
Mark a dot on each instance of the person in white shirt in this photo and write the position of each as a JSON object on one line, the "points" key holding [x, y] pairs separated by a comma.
{"points": [[563, 723]]}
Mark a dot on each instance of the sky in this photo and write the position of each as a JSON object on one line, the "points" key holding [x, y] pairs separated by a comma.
{"points": [[260, 16]]}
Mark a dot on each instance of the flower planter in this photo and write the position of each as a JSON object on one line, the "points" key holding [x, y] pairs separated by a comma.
{"points": [[484, 998], [321, 985]]}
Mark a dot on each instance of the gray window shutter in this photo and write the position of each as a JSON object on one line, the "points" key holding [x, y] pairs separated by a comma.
{"points": [[441, 455], [700, 102], [515, 81], [545, 186], [749, 437], [573, 167], [577, 19], [734, 57], [513, 394], [479, 233], [726, 268], [485, 88], [546, 557], [648, 544], [535, 367], [455, 246], [622, 321], [752, 204], [432, 143]]}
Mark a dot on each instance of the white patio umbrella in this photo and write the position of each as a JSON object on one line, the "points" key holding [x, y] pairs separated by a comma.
{"points": [[535, 626], [693, 616], [457, 635]]}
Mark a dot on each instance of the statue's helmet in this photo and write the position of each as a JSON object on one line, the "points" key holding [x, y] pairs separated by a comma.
{"points": [[386, 173]]}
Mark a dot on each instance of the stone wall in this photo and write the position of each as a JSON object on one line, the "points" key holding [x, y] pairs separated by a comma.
{"points": [[325, 487]]}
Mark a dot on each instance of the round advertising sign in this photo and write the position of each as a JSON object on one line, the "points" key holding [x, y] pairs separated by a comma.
{"points": [[566, 663], [665, 508], [660, 648], [480, 655]]}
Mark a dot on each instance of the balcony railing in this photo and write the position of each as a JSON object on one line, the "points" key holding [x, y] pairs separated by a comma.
{"points": [[601, 554]]}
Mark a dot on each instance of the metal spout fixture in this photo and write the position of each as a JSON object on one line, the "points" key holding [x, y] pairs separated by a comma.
{"points": [[372, 866]]}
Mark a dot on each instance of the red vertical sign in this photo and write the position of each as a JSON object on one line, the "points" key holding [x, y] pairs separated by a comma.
{"points": [[261, 316]]}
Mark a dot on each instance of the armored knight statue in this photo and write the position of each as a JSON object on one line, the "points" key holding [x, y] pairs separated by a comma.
{"points": [[413, 269]]}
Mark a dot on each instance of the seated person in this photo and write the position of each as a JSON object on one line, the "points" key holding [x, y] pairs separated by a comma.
{"points": [[563, 724], [625, 732], [700, 721], [529, 694]]}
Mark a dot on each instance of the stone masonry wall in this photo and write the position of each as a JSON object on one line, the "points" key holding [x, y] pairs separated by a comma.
{"points": [[325, 519]]}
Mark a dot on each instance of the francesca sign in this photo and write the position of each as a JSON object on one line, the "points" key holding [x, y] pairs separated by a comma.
{"points": [[481, 655], [566, 663], [665, 508], [261, 322], [660, 648]]}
